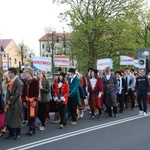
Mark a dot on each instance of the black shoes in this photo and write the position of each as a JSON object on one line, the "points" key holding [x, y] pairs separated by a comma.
{"points": [[17, 137], [30, 133], [92, 117], [115, 115], [99, 116], [132, 108], [9, 136], [120, 111]]}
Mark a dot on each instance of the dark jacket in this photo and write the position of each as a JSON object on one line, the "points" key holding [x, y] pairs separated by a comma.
{"points": [[45, 91], [142, 84], [124, 86], [14, 111], [74, 88]]}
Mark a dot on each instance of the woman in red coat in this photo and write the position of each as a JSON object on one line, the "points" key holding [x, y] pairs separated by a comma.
{"points": [[82, 96], [61, 97], [95, 91]]}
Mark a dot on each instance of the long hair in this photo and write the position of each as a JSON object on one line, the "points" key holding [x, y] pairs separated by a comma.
{"points": [[63, 80], [44, 76]]}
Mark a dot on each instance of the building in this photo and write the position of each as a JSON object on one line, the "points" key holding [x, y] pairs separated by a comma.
{"points": [[9, 53], [54, 42]]}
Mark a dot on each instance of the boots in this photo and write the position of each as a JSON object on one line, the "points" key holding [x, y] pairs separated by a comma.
{"points": [[100, 113], [109, 111], [92, 114], [115, 111]]}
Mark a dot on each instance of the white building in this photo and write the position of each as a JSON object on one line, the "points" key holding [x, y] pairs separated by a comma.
{"points": [[54, 42]]}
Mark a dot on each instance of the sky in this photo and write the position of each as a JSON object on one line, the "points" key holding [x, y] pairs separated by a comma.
{"points": [[25, 20]]}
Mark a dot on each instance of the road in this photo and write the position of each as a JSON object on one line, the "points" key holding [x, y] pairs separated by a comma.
{"points": [[128, 131]]}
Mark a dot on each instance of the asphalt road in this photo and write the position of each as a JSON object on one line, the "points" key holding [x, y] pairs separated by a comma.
{"points": [[128, 131]]}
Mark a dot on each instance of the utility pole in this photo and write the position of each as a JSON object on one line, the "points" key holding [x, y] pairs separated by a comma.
{"points": [[53, 52]]}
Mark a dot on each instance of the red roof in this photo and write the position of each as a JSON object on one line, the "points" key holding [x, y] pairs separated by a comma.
{"points": [[48, 36], [4, 42]]}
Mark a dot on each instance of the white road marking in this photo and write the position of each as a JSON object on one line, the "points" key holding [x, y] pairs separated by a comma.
{"points": [[74, 133]]}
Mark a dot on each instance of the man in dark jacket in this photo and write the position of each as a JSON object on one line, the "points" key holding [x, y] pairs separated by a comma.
{"points": [[14, 113], [74, 95], [122, 90], [141, 87]]}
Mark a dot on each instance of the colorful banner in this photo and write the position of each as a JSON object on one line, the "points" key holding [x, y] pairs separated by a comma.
{"points": [[42, 63], [103, 63], [136, 63], [61, 61], [126, 60], [6, 65]]}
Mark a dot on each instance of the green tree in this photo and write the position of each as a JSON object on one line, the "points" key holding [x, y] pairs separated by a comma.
{"points": [[103, 28], [25, 53]]}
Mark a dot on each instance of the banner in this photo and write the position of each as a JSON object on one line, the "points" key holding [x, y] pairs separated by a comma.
{"points": [[126, 60], [103, 63], [61, 61], [42, 63], [135, 63], [6, 65]]}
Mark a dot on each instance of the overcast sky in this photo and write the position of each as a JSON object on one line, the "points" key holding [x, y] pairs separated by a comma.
{"points": [[25, 20]]}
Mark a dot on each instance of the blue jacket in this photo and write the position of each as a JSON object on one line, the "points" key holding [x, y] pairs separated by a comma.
{"points": [[74, 88]]}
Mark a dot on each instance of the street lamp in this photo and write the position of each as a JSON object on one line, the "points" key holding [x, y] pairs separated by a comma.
{"points": [[64, 42], [146, 55], [53, 42], [22, 55]]}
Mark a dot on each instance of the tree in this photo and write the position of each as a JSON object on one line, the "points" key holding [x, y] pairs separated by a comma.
{"points": [[103, 28], [144, 33], [25, 53]]}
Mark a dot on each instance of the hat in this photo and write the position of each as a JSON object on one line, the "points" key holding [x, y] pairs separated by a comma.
{"points": [[107, 69], [95, 71], [62, 74], [59, 69], [119, 72], [29, 69], [71, 70], [90, 69], [56, 74], [21, 71]]}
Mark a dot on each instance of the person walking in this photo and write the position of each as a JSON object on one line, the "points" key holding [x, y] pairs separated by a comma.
{"points": [[95, 91], [2, 116], [141, 88], [61, 97], [121, 92], [111, 88], [29, 97], [43, 98], [130, 82], [3, 92], [74, 95], [53, 105], [14, 112], [83, 94]]}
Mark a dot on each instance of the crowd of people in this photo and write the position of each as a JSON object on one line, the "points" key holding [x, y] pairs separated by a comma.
{"points": [[32, 99]]}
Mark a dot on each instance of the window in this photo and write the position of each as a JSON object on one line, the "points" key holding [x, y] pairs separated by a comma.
{"points": [[43, 46], [15, 61]]}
